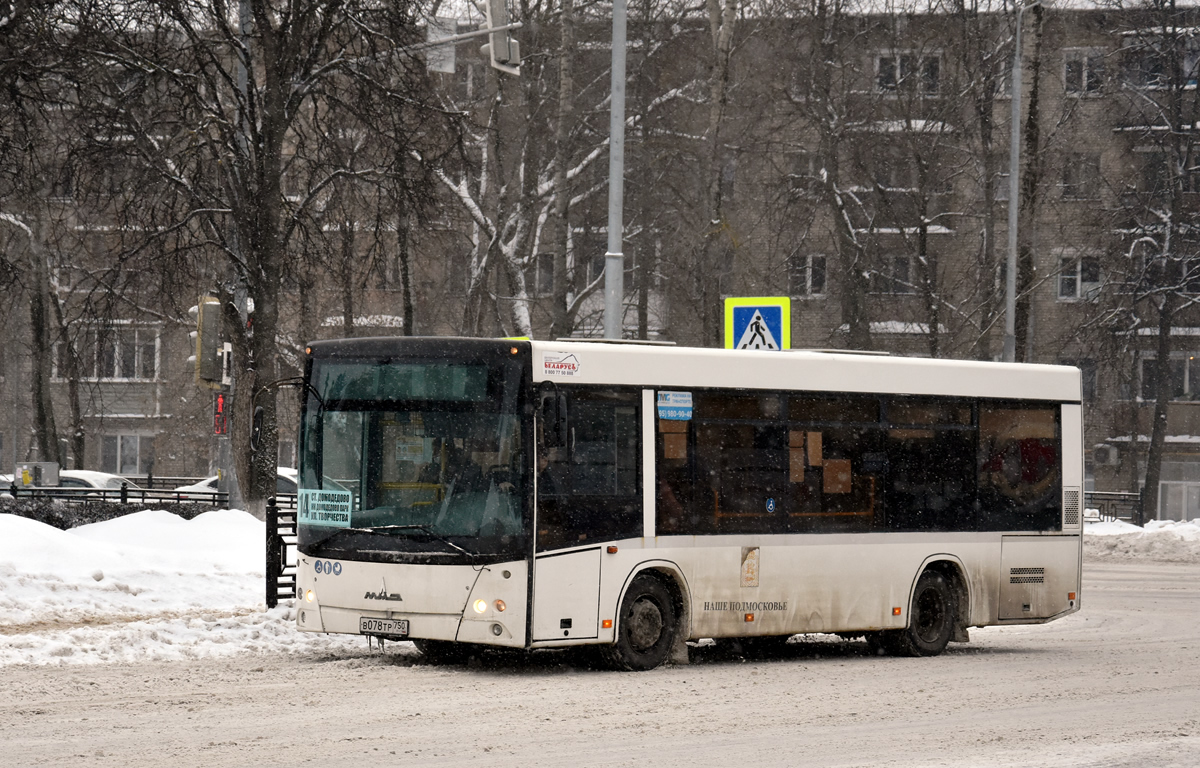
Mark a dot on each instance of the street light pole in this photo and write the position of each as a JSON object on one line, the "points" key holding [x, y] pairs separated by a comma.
{"points": [[614, 259], [1014, 176]]}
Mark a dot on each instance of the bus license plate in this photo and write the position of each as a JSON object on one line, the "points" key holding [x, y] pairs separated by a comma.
{"points": [[393, 627]]}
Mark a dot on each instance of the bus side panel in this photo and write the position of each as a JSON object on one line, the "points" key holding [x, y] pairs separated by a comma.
{"points": [[1038, 576], [566, 595], [827, 583]]}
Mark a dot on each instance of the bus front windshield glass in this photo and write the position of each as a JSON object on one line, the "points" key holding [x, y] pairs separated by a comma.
{"points": [[417, 458]]}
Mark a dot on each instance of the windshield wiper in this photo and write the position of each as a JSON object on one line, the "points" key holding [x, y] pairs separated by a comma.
{"points": [[414, 527]]}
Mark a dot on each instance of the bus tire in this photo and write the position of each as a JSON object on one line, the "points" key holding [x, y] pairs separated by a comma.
{"points": [[646, 627], [931, 619], [443, 651]]}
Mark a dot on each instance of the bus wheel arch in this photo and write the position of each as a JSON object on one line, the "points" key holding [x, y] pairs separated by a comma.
{"points": [[652, 620], [954, 572], [938, 608]]}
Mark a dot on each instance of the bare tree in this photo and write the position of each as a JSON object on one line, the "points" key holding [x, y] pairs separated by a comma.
{"points": [[223, 90]]}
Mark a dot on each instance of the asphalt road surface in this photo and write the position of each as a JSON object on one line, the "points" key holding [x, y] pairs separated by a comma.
{"points": [[1117, 684]]}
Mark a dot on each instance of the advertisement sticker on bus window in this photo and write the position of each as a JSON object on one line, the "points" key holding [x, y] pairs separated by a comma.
{"points": [[560, 364], [675, 406], [329, 508]]}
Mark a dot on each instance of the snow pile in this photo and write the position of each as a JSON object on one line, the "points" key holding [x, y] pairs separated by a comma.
{"points": [[1161, 540], [149, 585]]}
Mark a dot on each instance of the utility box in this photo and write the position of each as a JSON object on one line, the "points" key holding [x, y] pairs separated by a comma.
{"points": [[36, 474]]}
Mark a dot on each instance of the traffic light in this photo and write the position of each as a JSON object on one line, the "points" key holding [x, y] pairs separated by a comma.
{"points": [[209, 350], [220, 423], [502, 50]]}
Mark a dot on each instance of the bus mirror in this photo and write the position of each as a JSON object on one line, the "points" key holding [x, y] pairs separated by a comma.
{"points": [[256, 425], [554, 419]]}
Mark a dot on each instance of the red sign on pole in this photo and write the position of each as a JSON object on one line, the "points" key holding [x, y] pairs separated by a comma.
{"points": [[219, 423]]}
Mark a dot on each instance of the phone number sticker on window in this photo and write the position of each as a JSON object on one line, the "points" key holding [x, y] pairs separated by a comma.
{"points": [[675, 406]]}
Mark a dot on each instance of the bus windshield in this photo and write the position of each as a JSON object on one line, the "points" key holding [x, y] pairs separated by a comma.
{"points": [[414, 458]]}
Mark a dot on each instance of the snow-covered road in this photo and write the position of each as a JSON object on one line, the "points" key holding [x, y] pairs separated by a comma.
{"points": [[167, 680]]}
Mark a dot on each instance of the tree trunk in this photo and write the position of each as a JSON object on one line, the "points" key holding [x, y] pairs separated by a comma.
{"points": [[45, 429], [1162, 399]]}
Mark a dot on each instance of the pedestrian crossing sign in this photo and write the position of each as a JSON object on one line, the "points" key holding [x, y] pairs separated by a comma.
{"points": [[758, 323]]}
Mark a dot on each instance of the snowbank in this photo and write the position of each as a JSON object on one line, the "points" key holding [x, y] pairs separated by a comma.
{"points": [[149, 585], [1161, 540]]}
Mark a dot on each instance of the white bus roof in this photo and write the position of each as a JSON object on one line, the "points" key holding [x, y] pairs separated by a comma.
{"points": [[696, 367]]}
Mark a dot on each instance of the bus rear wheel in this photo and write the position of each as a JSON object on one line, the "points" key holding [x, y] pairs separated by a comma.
{"points": [[930, 621], [646, 627]]}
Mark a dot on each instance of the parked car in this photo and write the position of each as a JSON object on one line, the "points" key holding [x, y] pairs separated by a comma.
{"points": [[285, 482], [86, 478], [90, 480]]}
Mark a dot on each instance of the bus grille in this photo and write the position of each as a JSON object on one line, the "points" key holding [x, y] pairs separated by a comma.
{"points": [[1070, 507], [1026, 575]]}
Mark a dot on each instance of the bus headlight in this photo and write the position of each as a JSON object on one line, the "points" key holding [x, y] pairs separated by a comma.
{"points": [[480, 606], [309, 596], [500, 606]]}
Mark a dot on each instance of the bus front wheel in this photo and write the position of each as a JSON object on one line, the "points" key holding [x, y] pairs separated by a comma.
{"points": [[443, 651], [646, 628], [931, 620]]}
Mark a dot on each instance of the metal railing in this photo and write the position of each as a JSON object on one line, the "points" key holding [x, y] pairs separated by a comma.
{"points": [[129, 495], [1112, 505], [123, 495], [281, 560]]}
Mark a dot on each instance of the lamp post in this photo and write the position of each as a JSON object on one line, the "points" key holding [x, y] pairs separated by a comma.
{"points": [[614, 259], [1014, 175]]}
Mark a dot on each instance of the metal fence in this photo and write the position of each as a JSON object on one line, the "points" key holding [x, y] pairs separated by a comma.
{"points": [[123, 495], [1111, 506], [130, 495]]}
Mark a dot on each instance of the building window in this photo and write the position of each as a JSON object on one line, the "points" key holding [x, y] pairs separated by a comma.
{"points": [[893, 171], [543, 274], [1159, 172], [804, 173], [1083, 71], [1183, 377], [806, 275], [1081, 176], [894, 276], [127, 454], [120, 353], [1078, 278], [908, 72]]}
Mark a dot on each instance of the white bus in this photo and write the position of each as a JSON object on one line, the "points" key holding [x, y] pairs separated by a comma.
{"points": [[535, 494]]}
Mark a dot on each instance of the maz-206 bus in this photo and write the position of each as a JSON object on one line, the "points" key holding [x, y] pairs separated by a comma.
{"points": [[532, 494]]}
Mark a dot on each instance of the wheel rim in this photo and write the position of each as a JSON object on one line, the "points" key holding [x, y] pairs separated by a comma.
{"points": [[645, 624], [931, 616]]}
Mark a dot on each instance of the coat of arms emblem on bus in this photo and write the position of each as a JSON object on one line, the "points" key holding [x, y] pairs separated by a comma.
{"points": [[560, 364]]}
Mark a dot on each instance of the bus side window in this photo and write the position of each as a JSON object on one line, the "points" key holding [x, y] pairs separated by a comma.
{"points": [[1020, 487], [589, 488]]}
